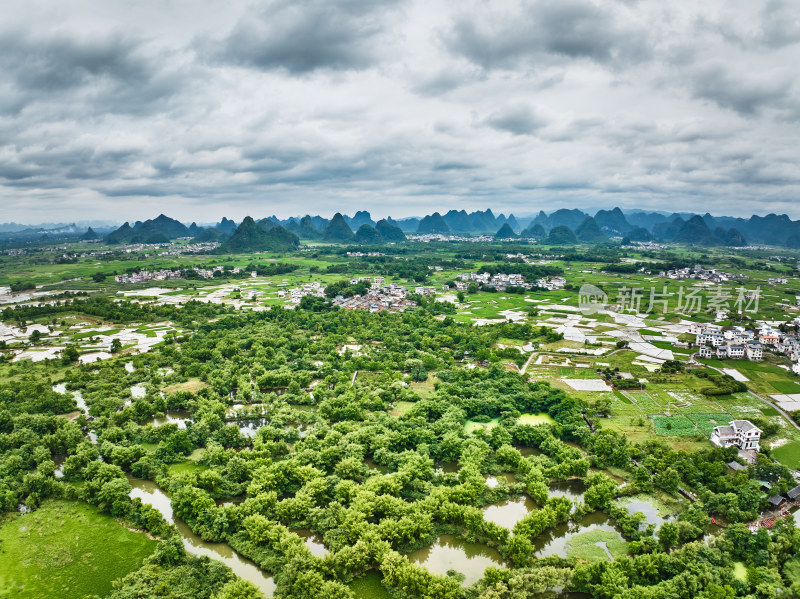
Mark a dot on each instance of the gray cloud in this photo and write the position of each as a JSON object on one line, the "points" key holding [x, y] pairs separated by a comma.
{"points": [[61, 62], [305, 35], [745, 94], [538, 31], [517, 120], [80, 73]]}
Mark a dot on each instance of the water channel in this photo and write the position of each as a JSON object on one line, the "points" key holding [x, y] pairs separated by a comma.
{"points": [[62, 388], [149, 492], [313, 541]]}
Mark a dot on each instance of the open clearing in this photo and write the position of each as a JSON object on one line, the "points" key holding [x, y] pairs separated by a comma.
{"points": [[66, 550]]}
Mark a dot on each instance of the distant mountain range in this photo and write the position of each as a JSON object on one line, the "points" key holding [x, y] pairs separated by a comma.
{"points": [[600, 227]]}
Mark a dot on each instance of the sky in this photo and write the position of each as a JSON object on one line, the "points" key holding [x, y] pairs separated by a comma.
{"points": [[124, 110]]}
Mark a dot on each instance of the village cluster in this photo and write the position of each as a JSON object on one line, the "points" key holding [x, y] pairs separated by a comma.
{"points": [[739, 343], [164, 275], [701, 274], [428, 237], [381, 296], [502, 281]]}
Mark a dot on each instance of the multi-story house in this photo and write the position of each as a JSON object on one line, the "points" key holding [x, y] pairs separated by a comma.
{"points": [[754, 351], [736, 352], [742, 433], [769, 339]]}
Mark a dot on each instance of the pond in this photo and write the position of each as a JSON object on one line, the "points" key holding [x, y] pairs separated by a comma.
{"points": [[535, 419], [249, 428], [138, 391], [453, 553], [130, 367], [149, 492], [646, 506], [555, 541], [509, 512], [179, 417], [59, 462]]}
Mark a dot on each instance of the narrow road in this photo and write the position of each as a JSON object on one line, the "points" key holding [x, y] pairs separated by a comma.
{"points": [[779, 409]]}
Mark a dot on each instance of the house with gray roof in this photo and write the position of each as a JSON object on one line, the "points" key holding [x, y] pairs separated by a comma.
{"points": [[742, 433]]}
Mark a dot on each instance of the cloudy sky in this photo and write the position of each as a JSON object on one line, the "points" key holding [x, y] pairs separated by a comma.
{"points": [[121, 110]]}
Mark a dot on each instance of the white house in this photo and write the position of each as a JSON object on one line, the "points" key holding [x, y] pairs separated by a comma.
{"points": [[796, 368], [704, 352], [736, 351], [742, 433], [754, 351]]}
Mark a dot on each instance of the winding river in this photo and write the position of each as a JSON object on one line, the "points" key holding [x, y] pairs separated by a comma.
{"points": [[149, 492]]}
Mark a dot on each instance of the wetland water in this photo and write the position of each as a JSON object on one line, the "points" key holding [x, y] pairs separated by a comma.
{"points": [[508, 513], [450, 552], [646, 507], [572, 489], [249, 428], [493, 481], [313, 541], [62, 388], [149, 492], [179, 417], [555, 540]]}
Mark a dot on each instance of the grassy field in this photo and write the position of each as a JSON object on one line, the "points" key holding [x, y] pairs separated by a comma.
{"points": [[66, 550], [788, 454], [471, 426]]}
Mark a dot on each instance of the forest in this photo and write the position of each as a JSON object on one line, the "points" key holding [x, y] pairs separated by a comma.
{"points": [[368, 431]]}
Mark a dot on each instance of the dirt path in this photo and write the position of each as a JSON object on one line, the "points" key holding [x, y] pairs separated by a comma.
{"points": [[528, 363]]}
